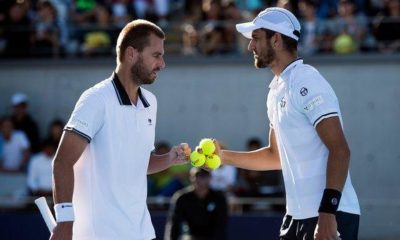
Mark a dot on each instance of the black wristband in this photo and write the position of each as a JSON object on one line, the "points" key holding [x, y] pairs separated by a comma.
{"points": [[330, 201]]}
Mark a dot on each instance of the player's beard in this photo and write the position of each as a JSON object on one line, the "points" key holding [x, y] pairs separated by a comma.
{"points": [[266, 57], [141, 74]]}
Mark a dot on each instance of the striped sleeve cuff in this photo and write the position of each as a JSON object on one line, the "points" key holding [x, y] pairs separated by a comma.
{"points": [[324, 116], [74, 130]]}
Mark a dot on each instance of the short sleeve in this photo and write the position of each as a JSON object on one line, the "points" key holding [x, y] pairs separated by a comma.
{"points": [[88, 115], [315, 98]]}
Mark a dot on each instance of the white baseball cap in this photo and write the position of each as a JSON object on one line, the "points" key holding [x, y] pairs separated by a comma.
{"points": [[18, 98], [275, 19]]}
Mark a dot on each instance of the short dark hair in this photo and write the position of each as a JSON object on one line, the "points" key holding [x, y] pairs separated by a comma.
{"points": [[199, 172], [136, 34], [289, 43]]}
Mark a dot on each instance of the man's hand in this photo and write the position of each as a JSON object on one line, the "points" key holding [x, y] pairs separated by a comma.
{"points": [[63, 231], [326, 228], [179, 154]]}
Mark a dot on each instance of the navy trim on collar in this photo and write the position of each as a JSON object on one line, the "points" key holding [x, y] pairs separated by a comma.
{"points": [[146, 104], [123, 97], [287, 66]]}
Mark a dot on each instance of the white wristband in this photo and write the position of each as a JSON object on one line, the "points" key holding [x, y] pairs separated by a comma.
{"points": [[64, 212]]}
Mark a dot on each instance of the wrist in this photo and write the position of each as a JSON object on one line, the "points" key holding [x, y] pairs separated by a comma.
{"points": [[330, 201], [65, 224], [64, 212]]}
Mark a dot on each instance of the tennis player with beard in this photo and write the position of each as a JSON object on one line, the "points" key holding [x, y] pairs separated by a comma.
{"points": [[101, 165], [306, 138]]}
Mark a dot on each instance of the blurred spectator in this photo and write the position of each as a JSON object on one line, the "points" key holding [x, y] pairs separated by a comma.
{"points": [[252, 6], [40, 170], [89, 27], [327, 9], [214, 37], [98, 40], [308, 39], [387, 27], [15, 149], [162, 10], [247, 184], [198, 210], [55, 131], [233, 16], [287, 5], [223, 178], [193, 11], [46, 41], [83, 12], [122, 10], [17, 30], [23, 121], [1, 145], [155, 10], [190, 40], [62, 9], [259, 183], [213, 40], [351, 29]]}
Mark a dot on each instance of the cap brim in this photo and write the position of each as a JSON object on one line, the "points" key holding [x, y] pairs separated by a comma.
{"points": [[246, 29]]}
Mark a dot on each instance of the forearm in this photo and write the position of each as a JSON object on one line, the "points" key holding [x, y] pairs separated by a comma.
{"points": [[158, 163], [63, 182], [261, 159], [337, 170]]}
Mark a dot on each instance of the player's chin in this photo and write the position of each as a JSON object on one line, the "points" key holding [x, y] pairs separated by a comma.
{"points": [[150, 79], [153, 76], [259, 64]]}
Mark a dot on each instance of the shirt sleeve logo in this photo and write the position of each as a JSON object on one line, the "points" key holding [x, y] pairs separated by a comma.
{"points": [[315, 102], [303, 91]]}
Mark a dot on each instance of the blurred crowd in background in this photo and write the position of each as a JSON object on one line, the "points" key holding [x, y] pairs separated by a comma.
{"points": [[89, 28], [24, 152]]}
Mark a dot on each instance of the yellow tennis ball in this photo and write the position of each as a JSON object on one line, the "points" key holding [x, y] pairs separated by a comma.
{"points": [[344, 44], [213, 162], [207, 146], [197, 159]]}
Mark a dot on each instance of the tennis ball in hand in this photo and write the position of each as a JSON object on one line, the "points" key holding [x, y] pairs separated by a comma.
{"points": [[213, 162], [207, 146], [197, 159]]}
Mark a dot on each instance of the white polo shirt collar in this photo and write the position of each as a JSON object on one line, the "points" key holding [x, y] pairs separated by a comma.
{"points": [[122, 95], [285, 75]]}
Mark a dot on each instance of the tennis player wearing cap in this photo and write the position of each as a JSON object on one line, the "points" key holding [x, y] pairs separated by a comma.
{"points": [[306, 138]]}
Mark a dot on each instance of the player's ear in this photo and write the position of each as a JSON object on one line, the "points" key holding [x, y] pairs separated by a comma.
{"points": [[131, 54], [276, 40]]}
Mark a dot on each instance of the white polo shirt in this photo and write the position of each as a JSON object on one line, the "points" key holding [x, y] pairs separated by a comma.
{"points": [[297, 101], [40, 172], [111, 175], [13, 150]]}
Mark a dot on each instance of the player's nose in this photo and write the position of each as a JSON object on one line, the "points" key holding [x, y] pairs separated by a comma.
{"points": [[251, 47], [162, 63]]}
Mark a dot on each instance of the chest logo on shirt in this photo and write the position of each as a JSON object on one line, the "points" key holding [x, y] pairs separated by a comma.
{"points": [[149, 121], [303, 91], [283, 102]]}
